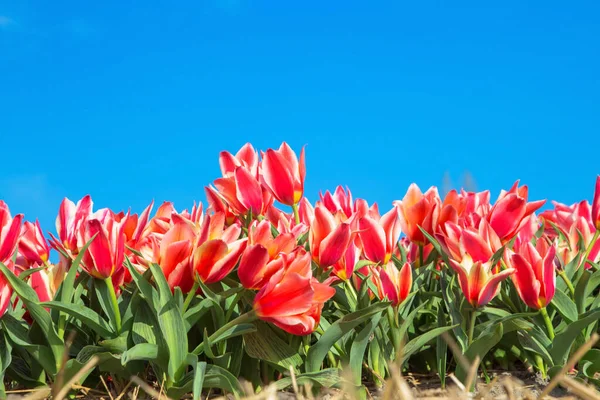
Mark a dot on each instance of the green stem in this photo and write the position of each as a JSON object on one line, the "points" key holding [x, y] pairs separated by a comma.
{"points": [[566, 279], [548, 322], [539, 362], [190, 296], [244, 318], [473, 318], [115, 304], [590, 246], [396, 339], [296, 213]]}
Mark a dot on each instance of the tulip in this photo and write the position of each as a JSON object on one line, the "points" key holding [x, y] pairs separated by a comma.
{"points": [[70, 218], [219, 249], [292, 299], [246, 157], [394, 284], [175, 255], [477, 282], [340, 202], [5, 292], [328, 238], [32, 244], [261, 259], [105, 253], [596, 205], [284, 175], [344, 267], [509, 213], [379, 236], [534, 277], [479, 245], [10, 228], [285, 222], [243, 193], [419, 210]]}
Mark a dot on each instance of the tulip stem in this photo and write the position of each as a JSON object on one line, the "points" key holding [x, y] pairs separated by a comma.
{"points": [[591, 245], [115, 304], [472, 320], [548, 322], [296, 213], [396, 339], [244, 318], [566, 279], [191, 294]]}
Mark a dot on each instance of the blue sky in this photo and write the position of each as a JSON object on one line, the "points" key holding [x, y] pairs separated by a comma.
{"points": [[132, 101]]}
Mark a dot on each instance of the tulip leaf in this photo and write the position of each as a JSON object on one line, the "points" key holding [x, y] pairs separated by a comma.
{"points": [[530, 343], [142, 351], [359, 345], [234, 331], [199, 374], [565, 306], [441, 349], [89, 317], [479, 348], [336, 331], [147, 290], [104, 298], [264, 344], [581, 291], [561, 345], [324, 378], [417, 343]]}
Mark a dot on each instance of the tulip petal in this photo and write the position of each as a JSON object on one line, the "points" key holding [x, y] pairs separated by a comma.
{"points": [[492, 286], [373, 239], [333, 247], [248, 191], [207, 255], [252, 264], [278, 177]]}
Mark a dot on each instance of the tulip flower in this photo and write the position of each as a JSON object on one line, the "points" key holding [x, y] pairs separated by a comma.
{"points": [[477, 282], [479, 245], [5, 292], [292, 299], [284, 175], [218, 249], [419, 210], [261, 258], [510, 212], [394, 284], [105, 253], [379, 236], [243, 193], [32, 244], [246, 157], [328, 238], [596, 205], [535, 275], [175, 255], [70, 218], [338, 202], [10, 228], [344, 267]]}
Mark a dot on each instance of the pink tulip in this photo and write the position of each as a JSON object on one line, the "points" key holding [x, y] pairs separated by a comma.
{"points": [[5, 290], [394, 284], [379, 236], [596, 205], [243, 193], [478, 245], [246, 158], [477, 282], [535, 276], [70, 218], [419, 210], [328, 238], [344, 267], [284, 175], [32, 244], [10, 228]]}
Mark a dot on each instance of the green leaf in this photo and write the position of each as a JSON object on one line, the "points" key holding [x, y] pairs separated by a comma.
{"points": [[199, 373], [37, 312], [565, 306], [116, 345], [417, 343], [232, 332], [104, 297], [217, 377], [325, 378], [581, 291], [18, 335], [530, 343], [480, 347], [359, 345], [563, 341], [264, 344], [147, 290], [142, 351], [89, 317], [441, 349], [407, 323], [336, 331]]}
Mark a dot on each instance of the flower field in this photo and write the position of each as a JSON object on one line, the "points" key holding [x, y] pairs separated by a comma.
{"points": [[262, 289]]}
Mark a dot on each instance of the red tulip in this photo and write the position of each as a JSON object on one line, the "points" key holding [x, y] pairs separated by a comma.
{"points": [[477, 282], [394, 284], [70, 218], [419, 210], [284, 175], [261, 259], [340, 202], [243, 193], [42, 285], [32, 244], [510, 212], [246, 157], [10, 228], [175, 255], [328, 238], [5, 291], [292, 299], [344, 267], [379, 236], [596, 205], [478, 245], [105, 254], [535, 277], [218, 249]]}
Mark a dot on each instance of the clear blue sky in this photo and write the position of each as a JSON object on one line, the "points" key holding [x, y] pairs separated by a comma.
{"points": [[132, 101]]}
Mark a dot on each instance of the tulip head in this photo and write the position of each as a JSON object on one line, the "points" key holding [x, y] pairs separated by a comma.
{"points": [[379, 236], [68, 222], [284, 175], [32, 244], [5, 291], [596, 205], [328, 238], [246, 158], [419, 210], [394, 284], [10, 228]]}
